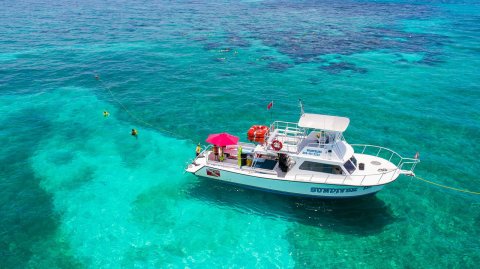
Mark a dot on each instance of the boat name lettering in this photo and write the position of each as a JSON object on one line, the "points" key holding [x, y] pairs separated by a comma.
{"points": [[314, 152], [332, 190]]}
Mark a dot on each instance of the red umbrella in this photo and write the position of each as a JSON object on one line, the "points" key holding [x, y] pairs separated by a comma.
{"points": [[223, 139]]}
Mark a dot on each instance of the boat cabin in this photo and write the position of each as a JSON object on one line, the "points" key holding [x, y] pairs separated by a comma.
{"points": [[313, 145]]}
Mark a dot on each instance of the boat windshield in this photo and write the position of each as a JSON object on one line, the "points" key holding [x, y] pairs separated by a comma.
{"points": [[350, 165]]}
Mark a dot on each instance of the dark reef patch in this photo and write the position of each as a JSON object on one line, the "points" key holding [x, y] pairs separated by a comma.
{"points": [[320, 31], [431, 59], [235, 40], [212, 45], [279, 66], [336, 68], [26, 210], [267, 58]]}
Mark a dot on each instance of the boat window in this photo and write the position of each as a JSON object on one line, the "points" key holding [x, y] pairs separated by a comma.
{"points": [[349, 166], [320, 167], [354, 161]]}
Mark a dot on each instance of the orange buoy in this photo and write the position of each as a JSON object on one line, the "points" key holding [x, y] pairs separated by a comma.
{"points": [[257, 133]]}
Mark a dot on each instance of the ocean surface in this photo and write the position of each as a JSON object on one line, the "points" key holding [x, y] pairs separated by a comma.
{"points": [[78, 191]]}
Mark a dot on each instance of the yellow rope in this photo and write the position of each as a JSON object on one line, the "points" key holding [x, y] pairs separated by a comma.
{"points": [[128, 111], [162, 130], [138, 119], [447, 187]]}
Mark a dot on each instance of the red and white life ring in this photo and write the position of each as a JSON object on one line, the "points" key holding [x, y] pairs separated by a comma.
{"points": [[276, 145]]}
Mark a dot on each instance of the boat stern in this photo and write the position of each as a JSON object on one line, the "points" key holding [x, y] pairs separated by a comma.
{"points": [[193, 167], [198, 163]]}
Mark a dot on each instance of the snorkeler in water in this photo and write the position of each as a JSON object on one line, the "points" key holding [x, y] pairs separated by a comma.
{"points": [[135, 133]]}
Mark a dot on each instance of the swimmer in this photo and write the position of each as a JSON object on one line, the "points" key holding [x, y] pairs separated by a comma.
{"points": [[106, 113], [97, 77], [135, 133]]}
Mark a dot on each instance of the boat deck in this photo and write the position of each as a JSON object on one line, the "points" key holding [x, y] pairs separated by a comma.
{"points": [[377, 171]]}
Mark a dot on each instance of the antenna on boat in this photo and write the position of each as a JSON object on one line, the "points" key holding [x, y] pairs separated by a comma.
{"points": [[301, 107]]}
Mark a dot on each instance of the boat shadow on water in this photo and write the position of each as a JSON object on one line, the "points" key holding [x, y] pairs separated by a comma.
{"points": [[360, 216]]}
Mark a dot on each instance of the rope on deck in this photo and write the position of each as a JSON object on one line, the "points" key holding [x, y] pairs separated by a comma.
{"points": [[447, 187]]}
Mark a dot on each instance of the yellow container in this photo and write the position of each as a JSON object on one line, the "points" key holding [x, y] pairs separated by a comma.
{"points": [[249, 162]]}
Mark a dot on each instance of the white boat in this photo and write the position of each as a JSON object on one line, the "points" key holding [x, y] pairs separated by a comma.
{"points": [[309, 158]]}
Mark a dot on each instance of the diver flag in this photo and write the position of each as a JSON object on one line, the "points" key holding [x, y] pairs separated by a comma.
{"points": [[270, 105], [213, 172]]}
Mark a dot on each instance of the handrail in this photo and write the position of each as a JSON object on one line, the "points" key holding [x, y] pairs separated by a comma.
{"points": [[202, 153], [312, 177], [233, 165], [401, 162], [289, 130]]}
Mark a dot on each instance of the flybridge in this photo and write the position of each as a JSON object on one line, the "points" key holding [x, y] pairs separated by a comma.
{"points": [[314, 136], [323, 122]]}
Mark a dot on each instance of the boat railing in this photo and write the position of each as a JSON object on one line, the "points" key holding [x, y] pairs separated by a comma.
{"points": [[387, 176], [402, 163], [203, 152], [226, 163], [289, 133], [287, 129]]}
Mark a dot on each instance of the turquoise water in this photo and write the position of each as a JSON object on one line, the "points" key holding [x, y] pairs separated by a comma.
{"points": [[77, 191]]}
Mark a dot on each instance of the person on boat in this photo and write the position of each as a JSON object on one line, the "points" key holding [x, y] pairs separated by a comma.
{"points": [[221, 156], [239, 156], [337, 171], [322, 138], [215, 152], [198, 149], [135, 133]]}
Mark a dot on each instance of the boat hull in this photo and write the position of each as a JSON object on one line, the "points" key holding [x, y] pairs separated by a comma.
{"points": [[286, 187]]}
